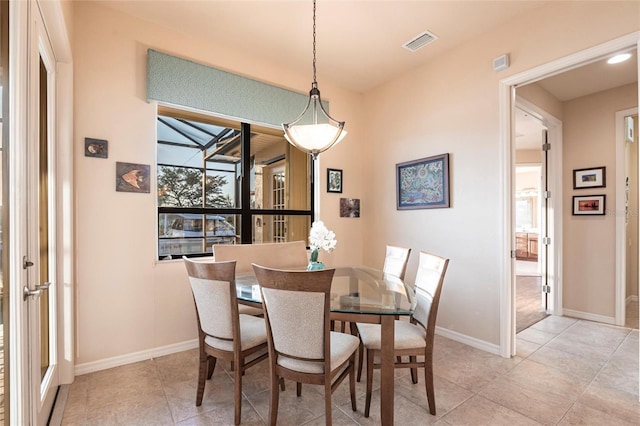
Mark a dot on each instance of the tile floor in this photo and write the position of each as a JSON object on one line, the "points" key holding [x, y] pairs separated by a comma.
{"points": [[566, 372]]}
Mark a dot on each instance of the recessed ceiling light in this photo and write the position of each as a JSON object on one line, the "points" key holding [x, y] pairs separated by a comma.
{"points": [[619, 58]]}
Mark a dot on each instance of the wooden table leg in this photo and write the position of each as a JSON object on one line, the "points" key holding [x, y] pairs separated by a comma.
{"points": [[386, 369]]}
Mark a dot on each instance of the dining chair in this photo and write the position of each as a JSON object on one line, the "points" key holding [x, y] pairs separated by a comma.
{"points": [[301, 346], [223, 333], [413, 338], [287, 255], [395, 263]]}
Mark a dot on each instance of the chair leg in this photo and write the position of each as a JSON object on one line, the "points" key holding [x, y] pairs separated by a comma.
{"points": [[298, 389], [428, 379], [282, 384], [274, 395], [367, 404], [204, 364], [238, 394], [212, 366], [352, 381], [327, 401], [360, 360], [414, 371]]}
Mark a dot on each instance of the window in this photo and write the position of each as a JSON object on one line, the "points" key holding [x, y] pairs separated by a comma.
{"points": [[202, 196]]}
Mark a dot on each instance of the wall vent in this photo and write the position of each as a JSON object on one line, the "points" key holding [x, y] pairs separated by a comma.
{"points": [[419, 41]]}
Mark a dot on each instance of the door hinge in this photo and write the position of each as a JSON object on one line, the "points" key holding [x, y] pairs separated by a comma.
{"points": [[513, 254], [546, 288], [546, 241], [546, 194], [546, 147]]}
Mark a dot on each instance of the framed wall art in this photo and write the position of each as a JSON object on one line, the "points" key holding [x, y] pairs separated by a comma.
{"points": [[131, 177], [334, 180], [594, 177], [349, 207], [423, 183], [97, 148], [588, 205]]}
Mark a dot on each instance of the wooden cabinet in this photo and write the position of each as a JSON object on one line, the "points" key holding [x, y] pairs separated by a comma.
{"points": [[526, 246]]}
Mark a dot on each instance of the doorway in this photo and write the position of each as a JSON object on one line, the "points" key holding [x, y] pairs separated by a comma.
{"points": [[561, 210]]}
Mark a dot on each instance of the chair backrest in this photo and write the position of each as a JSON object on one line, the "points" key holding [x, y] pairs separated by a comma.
{"points": [[289, 255], [428, 286], [214, 292], [296, 309], [395, 261]]}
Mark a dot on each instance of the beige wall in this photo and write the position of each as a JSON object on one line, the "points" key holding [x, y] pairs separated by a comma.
{"points": [[127, 302], [451, 105], [589, 140]]}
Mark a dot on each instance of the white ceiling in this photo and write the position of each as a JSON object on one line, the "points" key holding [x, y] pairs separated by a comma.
{"points": [[359, 42]]}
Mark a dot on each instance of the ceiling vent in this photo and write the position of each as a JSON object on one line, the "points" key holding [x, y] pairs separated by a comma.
{"points": [[419, 41]]}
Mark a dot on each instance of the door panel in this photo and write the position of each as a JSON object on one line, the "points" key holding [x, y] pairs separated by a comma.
{"points": [[40, 287]]}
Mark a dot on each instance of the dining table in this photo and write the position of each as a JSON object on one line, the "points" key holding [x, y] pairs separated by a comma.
{"points": [[359, 294]]}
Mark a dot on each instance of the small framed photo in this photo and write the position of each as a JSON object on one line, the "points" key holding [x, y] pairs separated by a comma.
{"points": [[334, 180], [588, 205], [423, 183], [594, 177], [97, 148]]}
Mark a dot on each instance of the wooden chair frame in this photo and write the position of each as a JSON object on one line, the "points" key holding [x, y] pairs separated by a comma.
{"points": [[426, 351], [304, 281], [223, 271], [389, 252]]}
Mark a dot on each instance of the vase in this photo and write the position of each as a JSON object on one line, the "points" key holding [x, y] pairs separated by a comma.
{"points": [[315, 266]]}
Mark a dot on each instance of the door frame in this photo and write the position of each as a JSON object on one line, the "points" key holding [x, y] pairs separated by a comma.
{"points": [[507, 157], [19, 34], [621, 228]]}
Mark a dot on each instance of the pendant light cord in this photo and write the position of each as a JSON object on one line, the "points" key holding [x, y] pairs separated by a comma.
{"points": [[314, 42]]}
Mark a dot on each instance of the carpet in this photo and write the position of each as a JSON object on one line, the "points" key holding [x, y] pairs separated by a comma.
{"points": [[528, 302]]}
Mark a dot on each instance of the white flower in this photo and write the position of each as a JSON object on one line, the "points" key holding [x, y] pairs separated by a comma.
{"points": [[321, 238]]}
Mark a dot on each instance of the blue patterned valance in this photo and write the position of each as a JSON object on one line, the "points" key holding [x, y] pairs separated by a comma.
{"points": [[182, 82]]}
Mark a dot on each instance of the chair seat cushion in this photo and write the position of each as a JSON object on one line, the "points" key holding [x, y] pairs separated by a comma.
{"points": [[249, 310], [253, 332], [407, 335], [342, 347]]}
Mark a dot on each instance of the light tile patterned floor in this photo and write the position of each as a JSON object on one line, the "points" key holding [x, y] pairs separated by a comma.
{"points": [[566, 372]]}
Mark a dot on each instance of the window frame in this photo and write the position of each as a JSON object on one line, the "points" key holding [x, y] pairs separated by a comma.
{"points": [[244, 212]]}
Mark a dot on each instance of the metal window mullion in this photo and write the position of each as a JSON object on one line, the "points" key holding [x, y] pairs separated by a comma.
{"points": [[245, 185]]}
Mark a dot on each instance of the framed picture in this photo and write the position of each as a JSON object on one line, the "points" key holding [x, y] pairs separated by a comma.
{"points": [[589, 178], [588, 205], [97, 148], [349, 207], [334, 180], [131, 177], [423, 183]]}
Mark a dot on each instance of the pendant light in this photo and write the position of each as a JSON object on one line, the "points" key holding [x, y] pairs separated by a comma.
{"points": [[310, 132]]}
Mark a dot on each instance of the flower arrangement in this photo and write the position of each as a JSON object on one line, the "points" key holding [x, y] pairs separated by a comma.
{"points": [[320, 238]]}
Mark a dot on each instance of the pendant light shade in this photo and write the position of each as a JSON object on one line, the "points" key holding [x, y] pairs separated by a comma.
{"points": [[314, 131]]}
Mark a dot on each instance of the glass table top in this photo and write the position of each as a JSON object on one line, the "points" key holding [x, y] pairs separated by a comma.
{"points": [[354, 289]]}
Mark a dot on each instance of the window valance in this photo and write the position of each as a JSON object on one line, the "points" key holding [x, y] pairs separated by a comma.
{"points": [[186, 83]]}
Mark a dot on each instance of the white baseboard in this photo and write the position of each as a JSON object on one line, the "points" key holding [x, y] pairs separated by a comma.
{"points": [[470, 341], [589, 317], [103, 364], [631, 299]]}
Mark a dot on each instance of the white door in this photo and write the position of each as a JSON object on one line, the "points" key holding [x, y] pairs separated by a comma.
{"points": [[39, 289]]}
